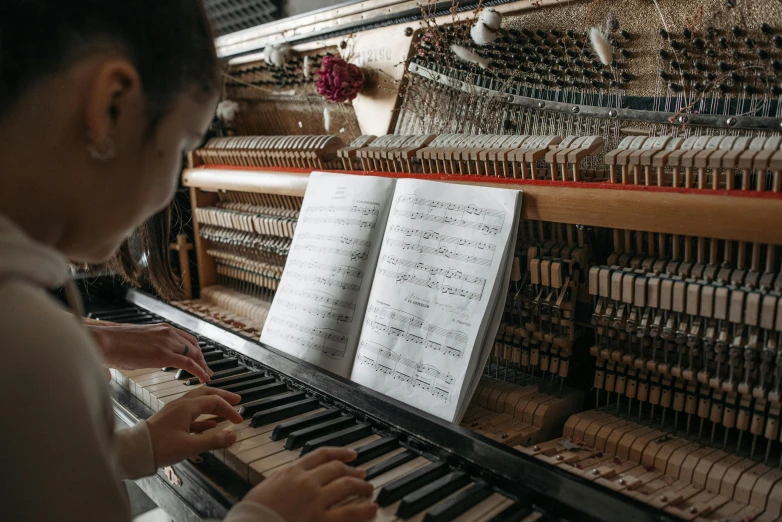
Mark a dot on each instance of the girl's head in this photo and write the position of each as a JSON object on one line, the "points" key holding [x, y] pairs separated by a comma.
{"points": [[98, 101]]}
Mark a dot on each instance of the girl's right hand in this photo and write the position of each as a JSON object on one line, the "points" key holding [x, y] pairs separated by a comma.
{"points": [[313, 488]]}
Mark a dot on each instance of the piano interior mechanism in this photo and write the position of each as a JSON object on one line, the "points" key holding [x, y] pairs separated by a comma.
{"points": [[636, 372]]}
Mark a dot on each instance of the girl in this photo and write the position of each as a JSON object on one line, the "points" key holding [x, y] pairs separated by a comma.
{"points": [[98, 101]]}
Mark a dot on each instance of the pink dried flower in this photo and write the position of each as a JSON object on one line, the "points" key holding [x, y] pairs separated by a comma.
{"points": [[338, 80]]}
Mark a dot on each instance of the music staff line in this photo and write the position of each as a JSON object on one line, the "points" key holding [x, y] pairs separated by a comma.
{"points": [[315, 310], [367, 211], [442, 238], [354, 255], [336, 239], [312, 345], [434, 270], [454, 342], [474, 225], [322, 298], [327, 281], [469, 209], [423, 376], [361, 223], [343, 270], [331, 341], [439, 251]]}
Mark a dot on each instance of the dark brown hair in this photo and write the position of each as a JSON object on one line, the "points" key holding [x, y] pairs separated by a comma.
{"points": [[169, 41], [151, 240]]}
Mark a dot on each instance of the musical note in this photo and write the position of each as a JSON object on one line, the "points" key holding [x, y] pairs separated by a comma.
{"points": [[361, 223], [333, 269], [423, 376], [316, 311], [328, 281], [331, 343], [441, 238], [366, 211], [336, 239], [475, 225], [441, 251], [469, 209], [434, 270], [354, 255], [396, 323]]}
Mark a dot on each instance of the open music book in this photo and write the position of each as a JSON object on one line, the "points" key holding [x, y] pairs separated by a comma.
{"points": [[398, 285]]}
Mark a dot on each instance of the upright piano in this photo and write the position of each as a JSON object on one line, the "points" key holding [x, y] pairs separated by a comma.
{"points": [[636, 373]]}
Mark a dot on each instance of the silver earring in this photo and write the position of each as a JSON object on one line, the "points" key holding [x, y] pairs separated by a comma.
{"points": [[110, 152]]}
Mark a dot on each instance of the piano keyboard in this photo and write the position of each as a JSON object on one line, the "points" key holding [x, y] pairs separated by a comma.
{"points": [[283, 421]]}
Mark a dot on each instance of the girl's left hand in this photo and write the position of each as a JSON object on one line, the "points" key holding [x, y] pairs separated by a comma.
{"points": [[132, 347]]}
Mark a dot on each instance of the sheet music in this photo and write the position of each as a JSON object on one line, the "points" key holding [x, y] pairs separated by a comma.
{"points": [[441, 267], [318, 309]]}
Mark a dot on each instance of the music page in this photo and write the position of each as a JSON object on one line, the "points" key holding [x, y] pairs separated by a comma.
{"points": [[318, 308], [441, 265]]}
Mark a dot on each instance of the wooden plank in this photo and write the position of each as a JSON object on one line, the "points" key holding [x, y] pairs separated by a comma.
{"points": [[714, 214], [207, 269]]}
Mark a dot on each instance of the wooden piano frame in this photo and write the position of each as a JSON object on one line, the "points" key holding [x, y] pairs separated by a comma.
{"points": [[730, 215]]}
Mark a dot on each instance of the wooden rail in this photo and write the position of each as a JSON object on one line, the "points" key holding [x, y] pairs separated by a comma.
{"points": [[732, 215]]}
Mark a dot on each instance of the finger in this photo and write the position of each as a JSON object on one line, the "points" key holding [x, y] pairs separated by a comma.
{"points": [[211, 441], [333, 470], [195, 351], [188, 364], [343, 488], [351, 512], [213, 405], [323, 455], [199, 426], [201, 391]]}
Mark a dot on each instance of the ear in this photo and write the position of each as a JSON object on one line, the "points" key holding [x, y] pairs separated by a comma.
{"points": [[114, 91]]}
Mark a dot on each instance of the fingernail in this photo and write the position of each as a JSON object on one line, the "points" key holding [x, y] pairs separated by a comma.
{"points": [[229, 438]]}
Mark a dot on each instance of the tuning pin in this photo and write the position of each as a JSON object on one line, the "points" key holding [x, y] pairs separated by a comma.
{"points": [[664, 54], [664, 34], [625, 34], [737, 31], [625, 53], [698, 43], [777, 41], [626, 76], [675, 87], [677, 45], [749, 42], [763, 54], [687, 33]]}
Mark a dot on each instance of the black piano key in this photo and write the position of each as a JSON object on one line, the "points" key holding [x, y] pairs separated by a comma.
{"points": [[212, 355], [223, 374], [340, 438], [215, 366], [283, 430], [298, 438], [261, 392], [237, 387], [513, 513], [456, 505], [431, 493], [104, 315], [251, 408], [223, 364], [284, 412], [389, 464], [401, 487], [374, 450]]}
